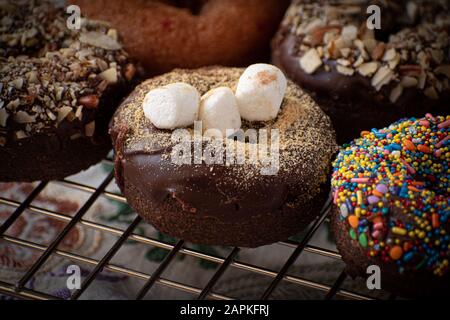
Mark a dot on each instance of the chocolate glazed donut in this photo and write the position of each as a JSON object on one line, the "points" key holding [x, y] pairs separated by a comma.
{"points": [[358, 78], [169, 34], [217, 204], [58, 91]]}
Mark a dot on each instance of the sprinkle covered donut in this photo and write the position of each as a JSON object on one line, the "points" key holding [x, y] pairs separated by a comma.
{"points": [[366, 78], [391, 205]]}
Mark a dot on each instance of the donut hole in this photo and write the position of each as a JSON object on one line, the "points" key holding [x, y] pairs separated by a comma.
{"points": [[194, 6]]}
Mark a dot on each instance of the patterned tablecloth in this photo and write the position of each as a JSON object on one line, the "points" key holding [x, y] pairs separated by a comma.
{"points": [[42, 229]]}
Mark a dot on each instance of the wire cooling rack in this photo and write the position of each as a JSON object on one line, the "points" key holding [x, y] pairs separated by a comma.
{"points": [[18, 289]]}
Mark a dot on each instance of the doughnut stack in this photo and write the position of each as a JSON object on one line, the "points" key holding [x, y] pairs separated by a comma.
{"points": [[391, 192]]}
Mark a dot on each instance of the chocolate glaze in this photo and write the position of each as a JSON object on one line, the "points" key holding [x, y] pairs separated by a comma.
{"points": [[352, 102], [217, 204], [54, 155]]}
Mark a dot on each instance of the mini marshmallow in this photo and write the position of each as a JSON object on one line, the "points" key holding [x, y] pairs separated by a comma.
{"points": [[219, 110], [173, 106], [260, 92]]}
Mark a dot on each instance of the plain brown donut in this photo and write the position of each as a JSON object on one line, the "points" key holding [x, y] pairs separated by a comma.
{"points": [[164, 35]]}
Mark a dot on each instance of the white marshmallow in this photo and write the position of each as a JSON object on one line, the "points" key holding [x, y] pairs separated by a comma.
{"points": [[219, 110], [173, 106], [260, 92]]}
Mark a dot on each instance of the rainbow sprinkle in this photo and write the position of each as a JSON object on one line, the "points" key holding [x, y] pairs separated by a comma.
{"points": [[392, 187]]}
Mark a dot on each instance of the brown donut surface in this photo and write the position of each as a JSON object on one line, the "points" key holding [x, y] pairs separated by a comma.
{"points": [[164, 35], [363, 78], [214, 203], [391, 206], [58, 91]]}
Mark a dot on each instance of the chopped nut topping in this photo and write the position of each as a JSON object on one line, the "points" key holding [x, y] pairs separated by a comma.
{"points": [[378, 51], [109, 75], [79, 113], [358, 62], [90, 101], [414, 57], [389, 55], [129, 71], [409, 82], [410, 70], [62, 113], [17, 83], [310, 61], [345, 70], [368, 69], [343, 62], [382, 77], [20, 135], [112, 33], [23, 117], [370, 44], [349, 33]]}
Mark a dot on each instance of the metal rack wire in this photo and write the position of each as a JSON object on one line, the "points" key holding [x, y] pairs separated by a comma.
{"points": [[19, 290]]}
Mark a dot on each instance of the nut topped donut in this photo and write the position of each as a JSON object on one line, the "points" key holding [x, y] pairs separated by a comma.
{"points": [[168, 34], [392, 193], [226, 202], [366, 78], [58, 90]]}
